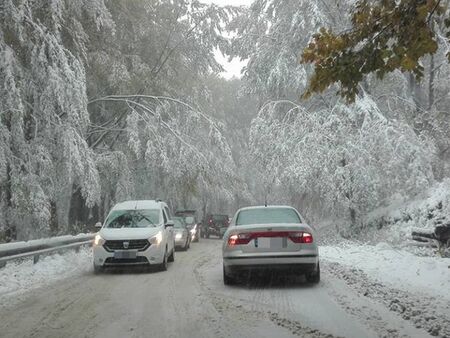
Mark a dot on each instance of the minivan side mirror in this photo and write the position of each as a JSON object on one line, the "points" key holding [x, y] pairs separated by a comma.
{"points": [[169, 224], [98, 225]]}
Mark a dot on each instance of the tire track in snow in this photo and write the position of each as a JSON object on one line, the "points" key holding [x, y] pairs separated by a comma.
{"points": [[235, 309]]}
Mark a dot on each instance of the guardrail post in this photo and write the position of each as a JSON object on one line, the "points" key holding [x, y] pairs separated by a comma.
{"points": [[35, 259]]}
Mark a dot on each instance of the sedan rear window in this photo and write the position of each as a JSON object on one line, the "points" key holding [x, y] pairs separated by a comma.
{"points": [[178, 222], [267, 216]]}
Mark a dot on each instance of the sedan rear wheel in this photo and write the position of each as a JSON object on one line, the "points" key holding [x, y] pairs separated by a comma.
{"points": [[313, 277], [228, 279]]}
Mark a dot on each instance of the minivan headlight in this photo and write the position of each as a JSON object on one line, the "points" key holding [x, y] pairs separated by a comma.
{"points": [[156, 239], [98, 240]]}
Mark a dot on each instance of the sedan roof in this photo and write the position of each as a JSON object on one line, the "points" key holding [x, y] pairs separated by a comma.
{"points": [[266, 206]]}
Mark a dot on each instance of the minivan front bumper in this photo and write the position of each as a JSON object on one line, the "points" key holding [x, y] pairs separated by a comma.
{"points": [[152, 255]]}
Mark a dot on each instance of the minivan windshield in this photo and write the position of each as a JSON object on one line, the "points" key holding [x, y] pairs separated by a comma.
{"points": [[267, 216], [133, 219]]}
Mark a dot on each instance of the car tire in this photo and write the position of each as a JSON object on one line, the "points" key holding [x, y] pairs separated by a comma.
{"points": [[172, 256], [313, 277], [98, 269], [163, 265], [228, 279]]}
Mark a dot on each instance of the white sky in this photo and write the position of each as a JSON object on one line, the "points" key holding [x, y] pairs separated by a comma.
{"points": [[234, 67]]}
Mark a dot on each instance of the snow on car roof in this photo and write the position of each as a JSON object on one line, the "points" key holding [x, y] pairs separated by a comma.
{"points": [[268, 206], [138, 204]]}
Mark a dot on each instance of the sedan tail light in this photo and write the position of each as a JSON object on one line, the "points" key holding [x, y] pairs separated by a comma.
{"points": [[239, 239], [301, 237]]}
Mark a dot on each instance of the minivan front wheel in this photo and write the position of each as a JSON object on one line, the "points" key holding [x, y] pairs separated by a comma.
{"points": [[98, 269], [172, 256], [163, 265]]}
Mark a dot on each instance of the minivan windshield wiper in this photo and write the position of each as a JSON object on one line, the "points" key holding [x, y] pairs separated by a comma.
{"points": [[133, 219], [146, 218]]}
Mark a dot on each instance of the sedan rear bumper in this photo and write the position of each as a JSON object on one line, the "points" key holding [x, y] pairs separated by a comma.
{"points": [[292, 262], [299, 268], [247, 260]]}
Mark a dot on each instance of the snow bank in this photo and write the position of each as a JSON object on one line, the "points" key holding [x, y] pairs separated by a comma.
{"points": [[397, 268], [19, 277], [394, 223]]}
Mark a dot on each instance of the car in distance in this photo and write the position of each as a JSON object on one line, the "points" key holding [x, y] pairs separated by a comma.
{"points": [[190, 217], [135, 233], [268, 238], [215, 225], [182, 234]]}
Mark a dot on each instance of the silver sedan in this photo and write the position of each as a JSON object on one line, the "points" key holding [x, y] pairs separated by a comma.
{"points": [[270, 237], [182, 234]]}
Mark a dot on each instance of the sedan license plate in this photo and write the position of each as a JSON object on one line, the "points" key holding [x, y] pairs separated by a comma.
{"points": [[262, 242], [125, 254], [271, 243]]}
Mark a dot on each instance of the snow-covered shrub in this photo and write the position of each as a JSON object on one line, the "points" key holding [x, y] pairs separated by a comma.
{"points": [[395, 222]]}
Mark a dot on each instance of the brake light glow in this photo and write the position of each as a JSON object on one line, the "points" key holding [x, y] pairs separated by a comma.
{"points": [[307, 238], [301, 237], [239, 239]]}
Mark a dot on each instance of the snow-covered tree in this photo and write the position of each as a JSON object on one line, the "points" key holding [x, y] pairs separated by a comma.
{"points": [[43, 111], [344, 161], [271, 35]]}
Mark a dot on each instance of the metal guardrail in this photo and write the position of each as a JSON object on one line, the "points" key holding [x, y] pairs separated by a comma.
{"points": [[25, 249]]}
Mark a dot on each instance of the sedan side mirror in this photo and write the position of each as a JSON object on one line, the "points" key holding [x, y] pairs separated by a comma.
{"points": [[169, 224], [98, 225]]}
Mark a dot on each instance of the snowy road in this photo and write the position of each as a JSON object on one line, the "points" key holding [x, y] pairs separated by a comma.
{"points": [[190, 300]]}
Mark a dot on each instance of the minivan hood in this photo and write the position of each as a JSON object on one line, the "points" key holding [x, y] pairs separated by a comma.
{"points": [[128, 233]]}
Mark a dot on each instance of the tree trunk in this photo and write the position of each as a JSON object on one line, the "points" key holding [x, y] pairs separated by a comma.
{"points": [[431, 83], [53, 219], [10, 228], [352, 212], [414, 91]]}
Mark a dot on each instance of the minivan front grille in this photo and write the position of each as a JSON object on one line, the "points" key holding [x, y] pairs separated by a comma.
{"points": [[132, 244], [130, 261]]}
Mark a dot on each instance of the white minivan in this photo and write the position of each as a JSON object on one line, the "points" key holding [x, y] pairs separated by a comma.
{"points": [[135, 233]]}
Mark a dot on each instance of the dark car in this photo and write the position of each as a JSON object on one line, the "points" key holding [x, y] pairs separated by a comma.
{"points": [[215, 225], [191, 220]]}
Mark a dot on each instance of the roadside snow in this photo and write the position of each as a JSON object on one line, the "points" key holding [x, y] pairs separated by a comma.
{"points": [[42, 241], [19, 277], [397, 268], [395, 222]]}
